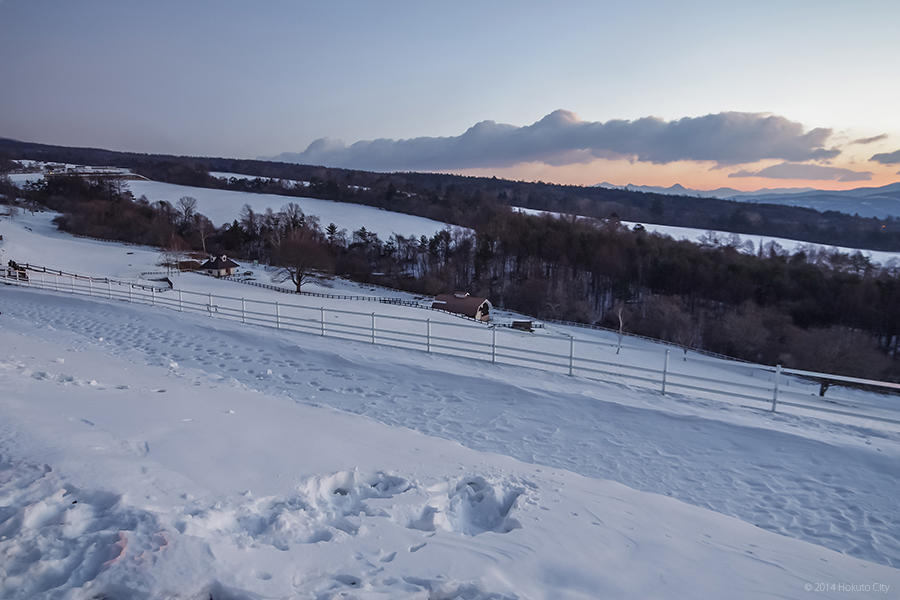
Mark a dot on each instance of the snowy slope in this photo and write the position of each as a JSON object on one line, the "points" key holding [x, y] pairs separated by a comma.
{"points": [[878, 202], [791, 246], [169, 471], [224, 206], [34, 239], [694, 235]]}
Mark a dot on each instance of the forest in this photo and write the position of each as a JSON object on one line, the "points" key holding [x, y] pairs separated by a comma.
{"points": [[818, 310]]}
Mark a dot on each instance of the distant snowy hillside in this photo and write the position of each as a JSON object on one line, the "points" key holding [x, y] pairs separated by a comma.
{"points": [[679, 190], [723, 237], [878, 202], [866, 201]]}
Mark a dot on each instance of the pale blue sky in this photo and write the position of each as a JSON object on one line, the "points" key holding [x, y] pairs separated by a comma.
{"points": [[248, 78]]}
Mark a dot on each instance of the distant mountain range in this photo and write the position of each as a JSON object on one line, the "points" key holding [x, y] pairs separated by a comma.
{"points": [[878, 202]]}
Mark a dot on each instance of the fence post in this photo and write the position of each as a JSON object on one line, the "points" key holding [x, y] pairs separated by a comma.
{"points": [[493, 346], [373, 328], [131, 287], [152, 297], [571, 354], [322, 319], [665, 372], [775, 387], [180, 302], [209, 304], [277, 317], [90, 287], [243, 312], [109, 289], [428, 335]]}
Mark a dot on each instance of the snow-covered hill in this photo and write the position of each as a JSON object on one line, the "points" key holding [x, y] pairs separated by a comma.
{"points": [[679, 190], [723, 237], [224, 206], [878, 202], [147, 453]]}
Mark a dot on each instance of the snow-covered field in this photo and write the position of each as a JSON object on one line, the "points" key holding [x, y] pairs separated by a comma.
{"points": [[792, 246], [224, 206], [150, 476], [146, 453], [699, 235]]}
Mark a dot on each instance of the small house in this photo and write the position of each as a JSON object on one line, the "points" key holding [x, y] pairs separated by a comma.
{"points": [[219, 266], [461, 303]]}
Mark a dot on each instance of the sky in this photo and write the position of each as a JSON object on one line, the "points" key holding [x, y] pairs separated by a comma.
{"points": [[706, 94]]}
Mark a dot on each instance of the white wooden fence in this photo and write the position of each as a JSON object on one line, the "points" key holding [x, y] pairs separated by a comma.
{"points": [[756, 386]]}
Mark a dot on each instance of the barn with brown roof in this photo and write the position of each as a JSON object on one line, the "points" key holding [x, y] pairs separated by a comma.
{"points": [[461, 303], [219, 266]]}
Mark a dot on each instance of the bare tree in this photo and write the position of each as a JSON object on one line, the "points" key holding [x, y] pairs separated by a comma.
{"points": [[299, 254], [293, 216], [204, 228], [187, 206]]}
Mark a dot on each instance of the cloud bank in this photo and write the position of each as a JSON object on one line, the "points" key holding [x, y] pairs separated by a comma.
{"points": [[887, 158], [789, 170], [561, 138]]}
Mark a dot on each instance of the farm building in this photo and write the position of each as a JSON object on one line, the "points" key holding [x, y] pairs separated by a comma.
{"points": [[461, 303], [219, 266]]}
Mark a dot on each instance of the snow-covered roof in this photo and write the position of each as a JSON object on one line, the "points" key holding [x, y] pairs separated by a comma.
{"points": [[219, 262], [459, 303]]}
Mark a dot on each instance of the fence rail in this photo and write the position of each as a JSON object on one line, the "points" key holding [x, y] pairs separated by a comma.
{"points": [[41, 270], [762, 386], [378, 299]]}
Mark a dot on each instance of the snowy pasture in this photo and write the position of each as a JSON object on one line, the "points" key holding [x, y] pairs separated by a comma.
{"points": [[224, 206]]}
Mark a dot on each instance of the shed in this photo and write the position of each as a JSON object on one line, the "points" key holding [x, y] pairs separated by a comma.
{"points": [[522, 325], [219, 266], [461, 303]]}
